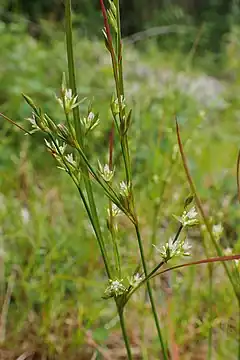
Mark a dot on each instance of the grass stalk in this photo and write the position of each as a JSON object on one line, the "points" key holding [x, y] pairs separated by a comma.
{"points": [[124, 333], [79, 132], [150, 293], [93, 210], [116, 57], [210, 300], [202, 212]]}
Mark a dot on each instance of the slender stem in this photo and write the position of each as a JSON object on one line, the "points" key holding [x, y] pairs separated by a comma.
{"points": [[92, 212], [79, 132], [154, 310], [239, 329], [210, 299], [202, 212], [238, 175], [124, 333]]}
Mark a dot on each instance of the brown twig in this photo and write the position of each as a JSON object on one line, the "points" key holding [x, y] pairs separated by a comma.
{"points": [[238, 175], [14, 123], [199, 262]]}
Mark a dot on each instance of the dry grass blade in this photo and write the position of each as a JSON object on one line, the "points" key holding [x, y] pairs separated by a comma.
{"points": [[26, 356], [5, 307], [14, 123]]}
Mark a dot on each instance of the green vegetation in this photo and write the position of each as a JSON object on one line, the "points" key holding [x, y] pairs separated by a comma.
{"points": [[52, 276]]}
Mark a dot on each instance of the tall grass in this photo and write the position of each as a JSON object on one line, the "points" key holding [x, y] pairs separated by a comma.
{"points": [[68, 142]]}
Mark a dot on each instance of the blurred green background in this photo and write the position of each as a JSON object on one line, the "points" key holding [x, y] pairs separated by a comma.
{"points": [[181, 57]]}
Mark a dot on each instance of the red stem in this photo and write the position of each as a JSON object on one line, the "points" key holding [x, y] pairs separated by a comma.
{"points": [[199, 262], [105, 19]]}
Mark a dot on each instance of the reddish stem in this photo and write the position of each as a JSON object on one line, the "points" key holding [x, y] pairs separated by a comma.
{"points": [[199, 262], [105, 19]]}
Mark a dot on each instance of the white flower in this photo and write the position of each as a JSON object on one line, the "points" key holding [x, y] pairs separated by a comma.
{"points": [[90, 122], [237, 262], [115, 210], [227, 251], [124, 189], [105, 172], [135, 280], [68, 94], [172, 249], [70, 160], [188, 218], [115, 288], [33, 122], [217, 231], [55, 147], [116, 106], [68, 101]]}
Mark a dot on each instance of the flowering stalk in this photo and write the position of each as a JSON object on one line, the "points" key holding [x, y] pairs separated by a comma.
{"points": [[209, 229], [113, 210], [79, 134], [119, 112], [204, 217]]}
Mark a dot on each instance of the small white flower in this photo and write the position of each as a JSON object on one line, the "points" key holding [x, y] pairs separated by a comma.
{"points": [[227, 251], [68, 94], [192, 213], [33, 122], [124, 189], [90, 122], [70, 160], [237, 262], [172, 249], [116, 105], [115, 288], [115, 210], [68, 101], [91, 116], [25, 215], [217, 231], [55, 147], [188, 218], [105, 172], [135, 280]]}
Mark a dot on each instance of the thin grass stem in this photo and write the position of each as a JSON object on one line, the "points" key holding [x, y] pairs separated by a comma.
{"points": [[79, 132], [150, 293], [124, 333]]}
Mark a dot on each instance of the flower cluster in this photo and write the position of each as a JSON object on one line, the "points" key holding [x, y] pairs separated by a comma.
{"points": [[174, 249], [188, 218], [115, 288], [68, 101], [58, 151], [124, 189], [217, 231], [116, 105], [135, 280], [90, 121], [115, 211], [105, 172]]}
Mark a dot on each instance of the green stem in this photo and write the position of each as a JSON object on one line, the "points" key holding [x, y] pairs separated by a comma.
{"points": [[239, 329], [210, 331], [154, 310], [124, 332], [202, 212], [79, 132]]}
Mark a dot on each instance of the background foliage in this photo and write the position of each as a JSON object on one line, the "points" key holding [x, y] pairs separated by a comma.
{"points": [[48, 251]]}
